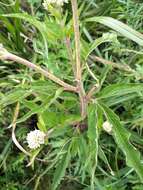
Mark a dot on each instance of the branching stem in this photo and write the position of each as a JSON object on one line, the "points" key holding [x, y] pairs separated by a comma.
{"points": [[47, 74], [78, 76], [78, 68]]}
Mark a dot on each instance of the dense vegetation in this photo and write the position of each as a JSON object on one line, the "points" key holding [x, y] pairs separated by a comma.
{"points": [[84, 91]]}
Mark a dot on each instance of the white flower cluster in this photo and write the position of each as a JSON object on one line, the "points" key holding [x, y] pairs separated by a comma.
{"points": [[56, 2], [35, 139], [107, 126]]}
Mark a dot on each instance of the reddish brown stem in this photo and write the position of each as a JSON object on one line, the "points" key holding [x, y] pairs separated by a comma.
{"points": [[80, 87], [47, 74]]}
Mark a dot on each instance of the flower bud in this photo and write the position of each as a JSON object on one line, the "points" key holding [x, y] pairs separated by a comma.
{"points": [[107, 126]]}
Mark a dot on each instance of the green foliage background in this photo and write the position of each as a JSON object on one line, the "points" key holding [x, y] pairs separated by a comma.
{"points": [[84, 157]]}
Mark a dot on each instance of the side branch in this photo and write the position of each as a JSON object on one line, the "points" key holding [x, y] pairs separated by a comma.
{"points": [[9, 56], [123, 67]]}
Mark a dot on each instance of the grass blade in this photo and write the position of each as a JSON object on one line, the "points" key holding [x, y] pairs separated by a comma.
{"points": [[119, 27]]}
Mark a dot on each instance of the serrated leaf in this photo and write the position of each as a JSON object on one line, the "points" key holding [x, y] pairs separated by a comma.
{"points": [[14, 96], [60, 170], [94, 120], [122, 137], [35, 109]]}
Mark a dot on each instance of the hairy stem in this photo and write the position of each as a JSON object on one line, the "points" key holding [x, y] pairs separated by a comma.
{"points": [[78, 76], [47, 74], [77, 38]]}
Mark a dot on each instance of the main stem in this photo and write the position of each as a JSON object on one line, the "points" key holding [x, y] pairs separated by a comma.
{"points": [[77, 38], [78, 76]]}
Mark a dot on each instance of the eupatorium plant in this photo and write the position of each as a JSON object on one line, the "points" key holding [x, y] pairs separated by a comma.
{"points": [[68, 96]]}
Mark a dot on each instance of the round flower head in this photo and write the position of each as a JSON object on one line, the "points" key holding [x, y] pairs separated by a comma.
{"points": [[107, 126], [35, 139], [56, 2]]}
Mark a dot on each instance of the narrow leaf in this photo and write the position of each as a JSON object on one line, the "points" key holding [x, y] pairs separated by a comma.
{"points": [[60, 170], [119, 27], [14, 96], [94, 119], [120, 90], [107, 37], [39, 25], [122, 137], [39, 109]]}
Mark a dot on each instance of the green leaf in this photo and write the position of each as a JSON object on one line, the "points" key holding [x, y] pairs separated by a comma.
{"points": [[14, 96], [4, 152], [33, 156], [107, 37], [103, 157], [119, 27], [61, 169], [94, 120], [120, 99], [35, 109], [33, 21], [56, 119], [104, 74], [41, 125], [34, 1], [120, 90], [122, 137]]}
